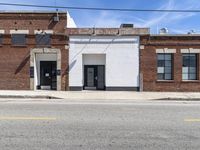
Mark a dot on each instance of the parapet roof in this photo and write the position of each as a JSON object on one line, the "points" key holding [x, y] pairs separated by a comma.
{"points": [[175, 35], [107, 31], [31, 11]]}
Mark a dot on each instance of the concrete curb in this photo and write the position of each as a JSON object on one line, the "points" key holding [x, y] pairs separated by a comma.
{"points": [[178, 99], [97, 95], [27, 97], [46, 97]]}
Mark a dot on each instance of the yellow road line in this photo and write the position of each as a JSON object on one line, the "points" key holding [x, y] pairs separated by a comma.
{"points": [[27, 118], [192, 120]]}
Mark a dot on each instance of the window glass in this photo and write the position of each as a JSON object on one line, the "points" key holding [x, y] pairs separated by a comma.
{"points": [[189, 68], [18, 39], [161, 63], [185, 76], [161, 57], [192, 70], [164, 66], [185, 69], [168, 69], [168, 63], [160, 69], [167, 57], [168, 76], [192, 76], [160, 76]]}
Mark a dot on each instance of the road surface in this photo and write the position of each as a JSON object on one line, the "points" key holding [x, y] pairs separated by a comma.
{"points": [[99, 125]]}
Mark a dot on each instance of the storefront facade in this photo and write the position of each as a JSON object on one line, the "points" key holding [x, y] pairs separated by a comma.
{"points": [[170, 63], [32, 48], [104, 59]]}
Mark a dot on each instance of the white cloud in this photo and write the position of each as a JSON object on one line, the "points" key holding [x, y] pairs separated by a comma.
{"points": [[115, 18], [171, 19], [152, 20], [155, 19], [111, 19]]}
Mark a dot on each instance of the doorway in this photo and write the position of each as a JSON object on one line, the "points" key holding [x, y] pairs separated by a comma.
{"points": [[94, 77], [48, 75]]}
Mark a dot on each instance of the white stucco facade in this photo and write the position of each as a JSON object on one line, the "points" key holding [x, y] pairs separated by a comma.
{"points": [[119, 54]]}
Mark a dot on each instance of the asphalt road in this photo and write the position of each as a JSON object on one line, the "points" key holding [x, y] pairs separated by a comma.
{"points": [[99, 125]]}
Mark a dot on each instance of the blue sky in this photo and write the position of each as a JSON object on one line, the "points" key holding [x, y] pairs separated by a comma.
{"points": [[175, 22]]}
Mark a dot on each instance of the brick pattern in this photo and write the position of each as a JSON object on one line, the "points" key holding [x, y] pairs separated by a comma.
{"points": [[15, 60], [32, 21], [148, 63]]}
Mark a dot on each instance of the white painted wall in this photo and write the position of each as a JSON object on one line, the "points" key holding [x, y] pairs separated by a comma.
{"points": [[94, 59], [42, 57], [70, 21], [121, 54]]}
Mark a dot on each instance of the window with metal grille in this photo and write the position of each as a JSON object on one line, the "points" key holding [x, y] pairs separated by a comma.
{"points": [[189, 67], [19, 39], [164, 66], [43, 39]]}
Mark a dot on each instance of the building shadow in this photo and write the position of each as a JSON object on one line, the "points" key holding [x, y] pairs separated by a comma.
{"points": [[23, 63], [71, 65]]}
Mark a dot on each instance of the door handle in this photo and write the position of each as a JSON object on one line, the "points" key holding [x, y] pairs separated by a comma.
{"points": [[96, 78]]}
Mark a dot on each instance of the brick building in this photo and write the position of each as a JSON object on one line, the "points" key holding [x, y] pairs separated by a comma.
{"points": [[30, 44], [170, 63], [39, 51]]}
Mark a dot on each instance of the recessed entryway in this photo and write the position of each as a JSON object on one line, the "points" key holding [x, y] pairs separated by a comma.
{"points": [[94, 77], [48, 79], [45, 69]]}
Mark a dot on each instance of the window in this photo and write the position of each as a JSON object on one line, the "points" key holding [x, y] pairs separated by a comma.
{"points": [[164, 66], [18, 39], [1, 39], [189, 67], [43, 39]]}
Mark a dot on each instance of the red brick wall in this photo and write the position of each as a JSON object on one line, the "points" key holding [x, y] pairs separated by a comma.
{"points": [[148, 63], [15, 61], [32, 21]]}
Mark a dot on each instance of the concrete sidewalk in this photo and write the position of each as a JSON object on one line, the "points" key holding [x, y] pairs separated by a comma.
{"points": [[100, 95]]}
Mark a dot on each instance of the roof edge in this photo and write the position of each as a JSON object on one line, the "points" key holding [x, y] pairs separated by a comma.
{"points": [[107, 31], [30, 11], [179, 35]]}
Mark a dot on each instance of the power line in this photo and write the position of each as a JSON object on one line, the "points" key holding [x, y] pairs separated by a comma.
{"points": [[103, 9]]}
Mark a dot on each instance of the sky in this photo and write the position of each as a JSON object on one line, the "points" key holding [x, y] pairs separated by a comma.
{"points": [[176, 23]]}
